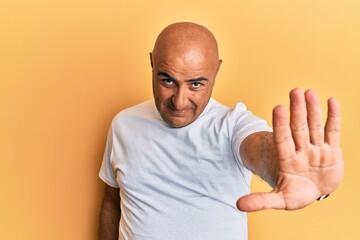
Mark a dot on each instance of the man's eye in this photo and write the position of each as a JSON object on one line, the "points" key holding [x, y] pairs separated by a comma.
{"points": [[196, 84], [167, 82]]}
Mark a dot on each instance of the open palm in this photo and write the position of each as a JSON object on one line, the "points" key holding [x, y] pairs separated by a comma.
{"points": [[309, 155]]}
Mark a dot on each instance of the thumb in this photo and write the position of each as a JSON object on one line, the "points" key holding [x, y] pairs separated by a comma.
{"points": [[261, 201]]}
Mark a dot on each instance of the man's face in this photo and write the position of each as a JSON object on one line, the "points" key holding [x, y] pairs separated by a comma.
{"points": [[182, 85]]}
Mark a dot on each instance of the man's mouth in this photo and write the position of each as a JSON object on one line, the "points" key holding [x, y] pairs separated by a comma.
{"points": [[178, 112]]}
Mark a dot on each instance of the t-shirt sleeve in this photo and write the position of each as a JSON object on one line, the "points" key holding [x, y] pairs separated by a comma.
{"points": [[107, 173], [245, 124]]}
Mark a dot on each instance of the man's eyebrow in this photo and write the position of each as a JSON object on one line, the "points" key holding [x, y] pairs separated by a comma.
{"points": [[165, 74], [197, 79]]}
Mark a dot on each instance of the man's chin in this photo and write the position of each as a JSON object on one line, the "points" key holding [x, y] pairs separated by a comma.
{"points": [[177, 122]]}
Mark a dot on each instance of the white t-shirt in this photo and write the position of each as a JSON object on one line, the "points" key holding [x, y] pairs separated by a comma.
{"points": [[180, 183]]}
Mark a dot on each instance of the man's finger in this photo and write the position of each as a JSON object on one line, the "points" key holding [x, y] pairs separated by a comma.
{"points": [[282, 134], [314, 116], [333, 123], [298, 119], [260, 201]]}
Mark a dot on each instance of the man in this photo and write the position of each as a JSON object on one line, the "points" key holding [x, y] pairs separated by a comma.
{"points": [[179, 166]]}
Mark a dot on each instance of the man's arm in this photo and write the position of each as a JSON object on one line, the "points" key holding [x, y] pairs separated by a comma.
{"points": [[259, 155], [110, 214], [302, 160]]}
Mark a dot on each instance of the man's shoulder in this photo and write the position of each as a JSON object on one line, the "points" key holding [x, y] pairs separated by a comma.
{"points": [[218, 108], [141, 110], [215, 106], [146, 105]]}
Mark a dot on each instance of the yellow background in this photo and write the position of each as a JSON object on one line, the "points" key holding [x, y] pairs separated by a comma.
{"points": [[68, 66]]}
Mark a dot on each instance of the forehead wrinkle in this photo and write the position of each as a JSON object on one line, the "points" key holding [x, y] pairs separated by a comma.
{"points": [[191, 61]]}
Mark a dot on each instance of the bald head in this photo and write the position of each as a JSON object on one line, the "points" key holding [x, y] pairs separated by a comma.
{"points": [[187, 40], [185, 63]]}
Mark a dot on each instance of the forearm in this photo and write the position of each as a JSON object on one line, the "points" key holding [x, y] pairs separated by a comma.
{"points": [[259, 155], [109, 219]]}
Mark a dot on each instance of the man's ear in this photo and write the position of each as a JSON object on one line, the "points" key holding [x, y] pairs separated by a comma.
{"points": [[151, 62], [220, 62]]}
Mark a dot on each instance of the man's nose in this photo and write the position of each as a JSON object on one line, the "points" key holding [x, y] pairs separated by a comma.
{"points": [[179, 99]]}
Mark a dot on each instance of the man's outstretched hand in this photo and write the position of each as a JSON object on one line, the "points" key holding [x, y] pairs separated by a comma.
{"points": [[310, 158]]}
